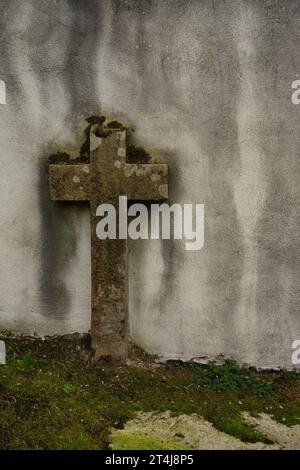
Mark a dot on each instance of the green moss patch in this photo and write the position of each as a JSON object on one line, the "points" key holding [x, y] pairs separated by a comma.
{"points": [[53, 397]]}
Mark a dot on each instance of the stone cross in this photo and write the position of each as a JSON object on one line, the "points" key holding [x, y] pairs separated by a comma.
{"points": [[102, 179]]}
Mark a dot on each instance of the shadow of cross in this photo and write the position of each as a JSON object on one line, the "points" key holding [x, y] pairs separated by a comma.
{"points": [[102, 180]]}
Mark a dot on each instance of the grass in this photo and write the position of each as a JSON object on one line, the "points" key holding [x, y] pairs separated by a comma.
{"points": [[52, 397]]}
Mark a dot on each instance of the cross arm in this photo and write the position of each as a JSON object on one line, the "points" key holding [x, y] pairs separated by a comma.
{"points": [[146, 181], [69, 182]]}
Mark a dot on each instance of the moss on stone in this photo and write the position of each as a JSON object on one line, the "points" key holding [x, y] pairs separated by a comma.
{"points": [[122, 440], [101, 129], [115, 125], [137, 155]]}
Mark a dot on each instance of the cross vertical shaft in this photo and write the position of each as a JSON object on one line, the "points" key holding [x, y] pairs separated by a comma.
{"points": [[109, 257]]}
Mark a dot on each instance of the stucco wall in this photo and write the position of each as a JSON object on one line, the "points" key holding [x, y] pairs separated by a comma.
{"points": [[207, 84]]}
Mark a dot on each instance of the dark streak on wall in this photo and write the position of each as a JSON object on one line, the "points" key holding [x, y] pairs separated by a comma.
{"points": [[82, 47], [58, 227], [58, 247]]}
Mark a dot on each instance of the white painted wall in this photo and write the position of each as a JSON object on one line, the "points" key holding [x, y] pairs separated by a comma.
{"points": [[206, 84]]}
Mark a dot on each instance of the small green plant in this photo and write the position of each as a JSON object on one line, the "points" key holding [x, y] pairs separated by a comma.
{"points": [[261, 388], [230, 377], [26, 362], [69, 389]]}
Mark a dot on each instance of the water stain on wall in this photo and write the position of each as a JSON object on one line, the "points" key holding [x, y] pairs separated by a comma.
{"points": [[81, 50], [58, 248], [59, 219]]}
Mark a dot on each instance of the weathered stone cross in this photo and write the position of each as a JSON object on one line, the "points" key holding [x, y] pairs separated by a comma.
{"points": [[104, 178]]}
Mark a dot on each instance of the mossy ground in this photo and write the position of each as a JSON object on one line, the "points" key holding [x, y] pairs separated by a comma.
{"points": [[53, 397]]}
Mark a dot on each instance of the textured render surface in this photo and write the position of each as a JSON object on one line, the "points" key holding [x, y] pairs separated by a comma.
{"points": [[208, 84]]}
